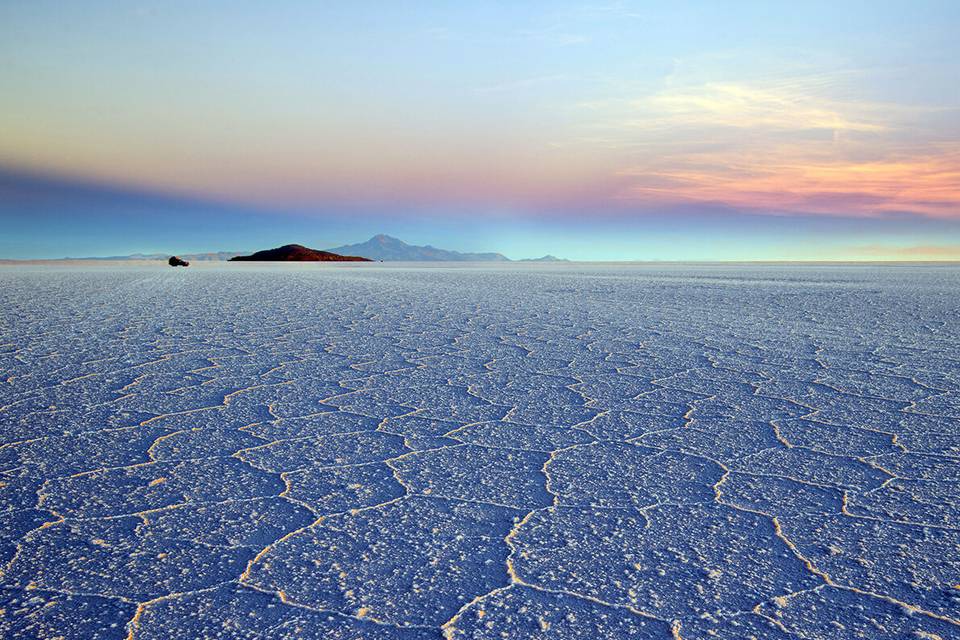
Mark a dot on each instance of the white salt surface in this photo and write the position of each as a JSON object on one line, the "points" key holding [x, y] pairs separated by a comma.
{"points": [[536, 451]]}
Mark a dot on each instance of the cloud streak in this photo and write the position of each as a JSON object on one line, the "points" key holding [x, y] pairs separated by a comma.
{"points": [[783, 147]]}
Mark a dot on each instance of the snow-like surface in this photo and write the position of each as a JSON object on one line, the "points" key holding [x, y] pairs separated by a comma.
{"points": [[574, 451]]}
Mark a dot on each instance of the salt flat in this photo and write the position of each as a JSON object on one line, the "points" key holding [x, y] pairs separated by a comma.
{"points": [[573, 451]]}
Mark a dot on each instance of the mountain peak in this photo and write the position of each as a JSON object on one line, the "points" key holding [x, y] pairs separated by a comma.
{"points": [[546, 258], [385, 240], [384, 247]]}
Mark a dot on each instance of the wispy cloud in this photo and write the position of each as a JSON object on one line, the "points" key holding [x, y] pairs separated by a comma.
{"points": [[781, 146], [746, 107], [521, 84], [781, 180]]}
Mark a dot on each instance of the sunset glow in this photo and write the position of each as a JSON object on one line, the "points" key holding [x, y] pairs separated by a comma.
{"points": [[531, 120]]}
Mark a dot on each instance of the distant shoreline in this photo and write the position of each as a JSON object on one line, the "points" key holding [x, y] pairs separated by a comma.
{"points": [[523, 264]]}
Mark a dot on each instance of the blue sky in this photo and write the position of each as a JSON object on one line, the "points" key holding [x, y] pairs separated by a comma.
{"points": [[619, 130]]}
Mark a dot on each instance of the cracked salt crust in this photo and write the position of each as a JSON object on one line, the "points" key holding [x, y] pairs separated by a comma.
{"points": [[566, 452]]}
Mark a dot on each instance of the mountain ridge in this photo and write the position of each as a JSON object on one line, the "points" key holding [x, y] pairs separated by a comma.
{"points": [[546, 258], [390, 249], [381, 247], [209, 256]]}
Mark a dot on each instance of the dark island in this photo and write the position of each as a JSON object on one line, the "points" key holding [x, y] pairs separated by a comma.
{"points": [[176, 261], [297, 253]]}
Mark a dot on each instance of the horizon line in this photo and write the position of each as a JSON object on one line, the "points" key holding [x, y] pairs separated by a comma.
{"points": [[526, 261]]}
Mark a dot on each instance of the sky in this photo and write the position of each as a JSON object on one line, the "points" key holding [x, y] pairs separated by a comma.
{"points": [[700, 130]]}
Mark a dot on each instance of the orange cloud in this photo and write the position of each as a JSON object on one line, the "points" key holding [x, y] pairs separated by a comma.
{"points": [[921, 184], [784, 147]]}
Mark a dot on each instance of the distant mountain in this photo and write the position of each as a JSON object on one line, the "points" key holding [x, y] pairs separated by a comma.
{"points": [[212, 256], [379, 247], [297, 253], [387, 248], [198, 257], [546, 258]]}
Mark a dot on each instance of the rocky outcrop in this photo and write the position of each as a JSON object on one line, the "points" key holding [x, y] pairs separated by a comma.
{"points": [[297, 253]]}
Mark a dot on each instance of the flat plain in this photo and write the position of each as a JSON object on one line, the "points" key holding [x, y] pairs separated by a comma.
{"points": [[539, 451]]}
